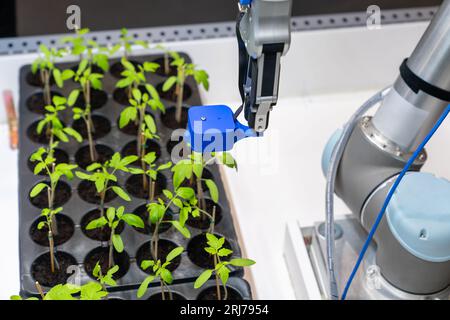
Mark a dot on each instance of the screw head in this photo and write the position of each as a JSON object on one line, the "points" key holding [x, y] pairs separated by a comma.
{"points": [[203, 118]]}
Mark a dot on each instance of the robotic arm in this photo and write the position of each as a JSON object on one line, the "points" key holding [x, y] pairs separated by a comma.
{"points": [[413, 242], [264, 35]]}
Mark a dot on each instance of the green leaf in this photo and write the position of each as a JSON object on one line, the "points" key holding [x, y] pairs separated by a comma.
{"points": [[150, 123], [41, 225], [83, 176], [224, 274], [169, 83], [144, 285], [117, 242], [100, 184], [111, 214], [185, 192], [73, 133], [166, 276], [58, 79], [168, 194], [73, 96], [227, 159], [145, 264], [94, 167], [182, 229], [213, 191], [224, 252], [174, 253], [240, 262], [38, 168], [37, 189], [119, 191], [202, 278], [137, 94], [133, 220], [177, 202], [128, 114], [124, 82], [67, 74], [96, 223]]}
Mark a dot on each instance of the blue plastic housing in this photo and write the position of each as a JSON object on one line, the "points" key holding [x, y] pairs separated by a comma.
{"points": [[214, 129]]}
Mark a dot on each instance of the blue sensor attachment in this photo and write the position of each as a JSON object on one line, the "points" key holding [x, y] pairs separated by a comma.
{"points": [[214, 129]]}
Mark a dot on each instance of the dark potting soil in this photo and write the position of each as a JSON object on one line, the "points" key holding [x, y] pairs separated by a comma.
{"points": [[83, 156], [101, 255], [159, 296], [211, 294], [198, 255], [135, 185], [99, 234], [117, 68], [41, 138], [161, 70], [60, 156], [130, 149], [164, 248], [98, 100], [35, 80], [203, 221], [168, 118], [142, 212], [62, 195], [36, 102], [121, 96], [101, 127], [88, 192], [170, 94], [42, 273], [65, 227]]}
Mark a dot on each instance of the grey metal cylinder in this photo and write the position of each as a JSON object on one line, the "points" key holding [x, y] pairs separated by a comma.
{"points": [[364, 166], [405, 117]]}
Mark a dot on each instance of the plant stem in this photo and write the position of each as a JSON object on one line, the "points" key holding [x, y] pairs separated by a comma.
{"points": [[45, 76], [168, 290], [52, 248], [39, 289], [217, 280], [200, 194], [166, 63], [179, 91], [155, 240], [213, 221], [111, 250], [89, 123], [152, 191], [163, 295]]}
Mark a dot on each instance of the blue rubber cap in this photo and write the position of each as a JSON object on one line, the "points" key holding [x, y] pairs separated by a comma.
{"points": [[246, 2], [214, 129], [419, 216]]}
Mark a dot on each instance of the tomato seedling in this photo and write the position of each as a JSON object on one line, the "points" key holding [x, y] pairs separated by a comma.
{"points": [[113, 218], [221, 270], [160, 272], [184, 70], [102, 174]]}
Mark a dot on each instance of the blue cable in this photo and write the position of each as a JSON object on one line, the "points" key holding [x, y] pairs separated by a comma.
{"points": [[388, 199]]}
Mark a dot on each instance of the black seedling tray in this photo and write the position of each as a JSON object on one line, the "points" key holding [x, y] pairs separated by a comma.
{"points": [[79, 245], [238, 289]]}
